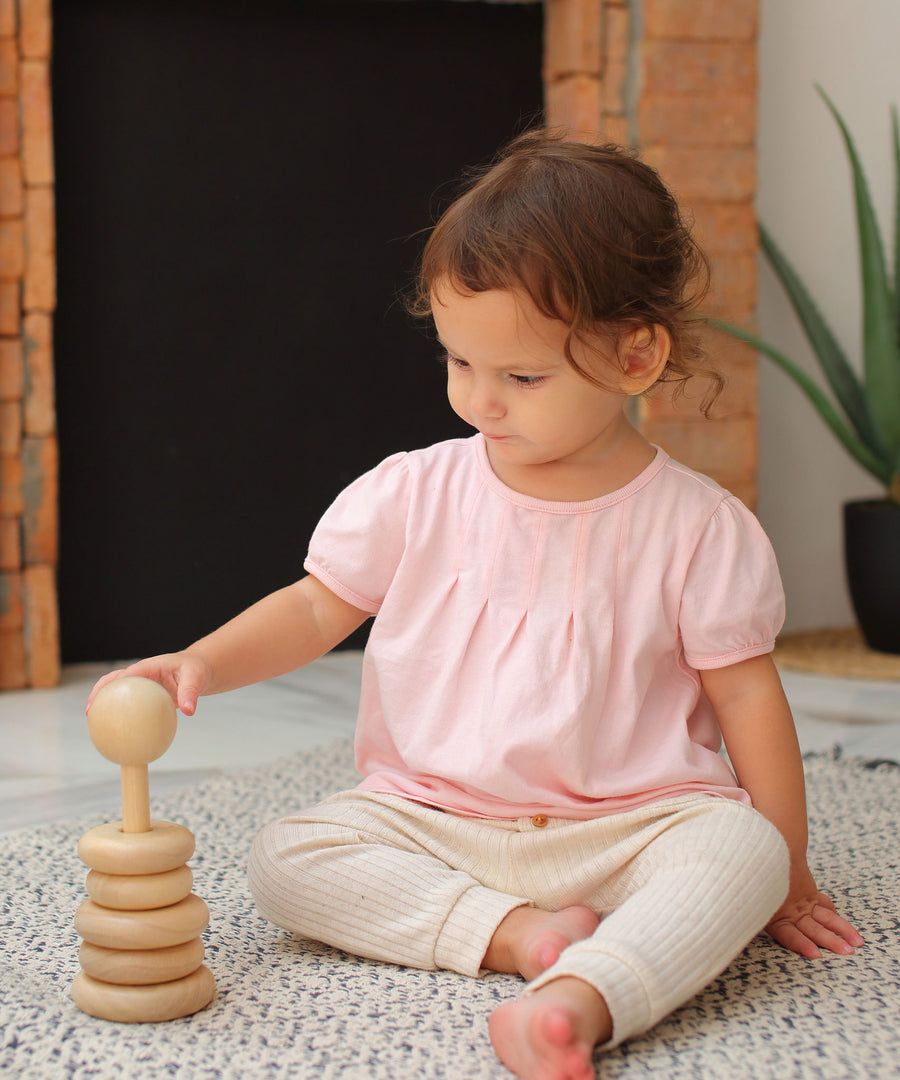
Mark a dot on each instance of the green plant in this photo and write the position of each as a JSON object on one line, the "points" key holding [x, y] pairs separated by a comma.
{"points": [[864, 413]]}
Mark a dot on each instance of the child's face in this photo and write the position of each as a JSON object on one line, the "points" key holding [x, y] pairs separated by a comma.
{"points": [[508, 376]]}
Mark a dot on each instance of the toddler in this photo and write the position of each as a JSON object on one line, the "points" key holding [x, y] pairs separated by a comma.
{"points": [[567, 624]]}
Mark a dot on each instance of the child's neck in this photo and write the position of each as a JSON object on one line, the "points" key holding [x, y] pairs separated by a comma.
{"points": [[580, 480]]}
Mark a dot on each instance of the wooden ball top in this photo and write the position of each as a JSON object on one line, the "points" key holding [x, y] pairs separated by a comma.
{"points": [[132, 721]]}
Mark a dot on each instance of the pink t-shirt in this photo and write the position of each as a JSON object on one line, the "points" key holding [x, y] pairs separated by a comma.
{"points": [[542, 657]]}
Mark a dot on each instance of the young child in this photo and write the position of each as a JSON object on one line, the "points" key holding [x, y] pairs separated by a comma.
{"points": [[567, 623]]}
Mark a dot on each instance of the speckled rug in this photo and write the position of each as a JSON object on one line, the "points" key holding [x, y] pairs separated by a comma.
{"points": [[292, 1009]]}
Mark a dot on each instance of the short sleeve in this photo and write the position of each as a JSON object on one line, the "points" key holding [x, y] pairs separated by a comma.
{"points": [[733, 603], [357, 545]]}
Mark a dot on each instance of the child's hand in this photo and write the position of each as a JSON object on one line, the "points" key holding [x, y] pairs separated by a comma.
{"points": [[807, 922], [185, 675]]}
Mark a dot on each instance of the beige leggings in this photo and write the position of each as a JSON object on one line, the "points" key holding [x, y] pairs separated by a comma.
{"points": [[681, 887]]}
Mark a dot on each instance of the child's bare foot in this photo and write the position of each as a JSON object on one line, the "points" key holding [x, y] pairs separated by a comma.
{"points": [[530, 940], [551, 1034]]}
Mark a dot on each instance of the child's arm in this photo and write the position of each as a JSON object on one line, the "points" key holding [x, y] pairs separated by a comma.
{"points": [[281, 632], [759, 734]]}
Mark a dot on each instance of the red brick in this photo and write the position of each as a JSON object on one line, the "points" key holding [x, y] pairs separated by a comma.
{"points": [[698, 119], [41, 626], [9, 127], [575, 105], [12, 251], [741, 394], [734, 285], [714, 447], [40, 406], [705, 173], [573, 34], [617, 60], [10, 427], [10, 543], [726, 228], [12, 605], [12, 370], [7, 18], [617, 32], [701, 20], [13, 667], [40, 244], [37, 123], [11, 202], [698, 67], [9, 66], [35, 28], [40, 490], [10, 314], [616, 129], [12, 503]]}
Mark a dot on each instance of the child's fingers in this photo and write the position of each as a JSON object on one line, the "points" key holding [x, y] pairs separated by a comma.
{"points": [[181, 676], [98, 685], [829, 918], [822, 928], [188, 687], [789, 935], [823, 936]]}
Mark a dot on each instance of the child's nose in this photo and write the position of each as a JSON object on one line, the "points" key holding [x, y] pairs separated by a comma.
{"points": [[484, 401]]}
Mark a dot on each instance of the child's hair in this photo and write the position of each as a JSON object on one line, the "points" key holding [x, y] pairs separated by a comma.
{"points": [[590, 233]]}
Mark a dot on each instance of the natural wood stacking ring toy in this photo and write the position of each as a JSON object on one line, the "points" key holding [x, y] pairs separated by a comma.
{"points": [[142, 956]]}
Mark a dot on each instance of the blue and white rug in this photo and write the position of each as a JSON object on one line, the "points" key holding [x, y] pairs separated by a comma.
{"points": [[295, 1010]]}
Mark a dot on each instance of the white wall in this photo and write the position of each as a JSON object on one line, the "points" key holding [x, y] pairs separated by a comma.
{"points": [[851, 48]]}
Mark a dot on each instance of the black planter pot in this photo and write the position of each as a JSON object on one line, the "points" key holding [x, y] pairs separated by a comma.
{"points": [[872, 559]]}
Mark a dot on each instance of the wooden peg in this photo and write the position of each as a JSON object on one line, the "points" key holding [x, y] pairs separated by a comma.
{"points": [[132, 722]]}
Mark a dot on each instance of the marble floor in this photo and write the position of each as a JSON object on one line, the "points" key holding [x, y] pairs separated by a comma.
{"points": [[50, 771]]}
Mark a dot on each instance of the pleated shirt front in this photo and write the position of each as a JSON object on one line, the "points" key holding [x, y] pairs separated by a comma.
{"points": [[530, 656]]}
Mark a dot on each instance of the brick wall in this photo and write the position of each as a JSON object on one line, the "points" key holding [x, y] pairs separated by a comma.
{"points": [[677, 79], [29, 636]]}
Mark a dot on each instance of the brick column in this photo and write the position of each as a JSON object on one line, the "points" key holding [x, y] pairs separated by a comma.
{"points": [[677, 79], [29, 634]]}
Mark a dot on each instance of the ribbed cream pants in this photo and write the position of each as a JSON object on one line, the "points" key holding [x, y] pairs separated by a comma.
{"points": [[681, 887]]}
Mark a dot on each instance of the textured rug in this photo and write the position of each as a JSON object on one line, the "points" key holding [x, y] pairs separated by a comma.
{"points": [[288, 1008]]}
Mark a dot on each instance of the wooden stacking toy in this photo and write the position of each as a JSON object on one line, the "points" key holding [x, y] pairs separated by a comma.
{"points": [[141, 957]]}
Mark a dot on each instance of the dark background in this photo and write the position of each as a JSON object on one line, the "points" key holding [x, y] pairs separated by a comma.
{"points": [[239, 192]]}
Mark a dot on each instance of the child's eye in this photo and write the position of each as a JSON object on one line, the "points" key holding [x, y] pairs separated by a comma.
{"points": [[528, 382], [453, 361]]}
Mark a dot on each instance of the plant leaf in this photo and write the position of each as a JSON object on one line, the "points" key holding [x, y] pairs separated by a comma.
{"points": [[842, 379], [872, 463], [895, 127], [880, 347]]}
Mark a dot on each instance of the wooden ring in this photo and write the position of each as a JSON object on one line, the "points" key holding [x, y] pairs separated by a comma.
{"points": [[140, 892], [111, 851], [144, 1004], [156, 929], [141, 967]]}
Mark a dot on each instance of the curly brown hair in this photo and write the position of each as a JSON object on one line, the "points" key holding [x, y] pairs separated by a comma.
{"points": [[592, 236]]}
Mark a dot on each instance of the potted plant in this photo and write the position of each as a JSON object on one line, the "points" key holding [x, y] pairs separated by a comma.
{"points": [[862, 411]]}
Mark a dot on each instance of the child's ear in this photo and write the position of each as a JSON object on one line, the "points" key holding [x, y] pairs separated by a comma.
{"points": [[644, 353]]}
